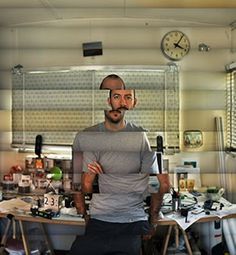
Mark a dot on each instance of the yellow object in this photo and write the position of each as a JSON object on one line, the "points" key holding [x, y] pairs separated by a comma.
{"points": [[190, 184], [182, 183]]}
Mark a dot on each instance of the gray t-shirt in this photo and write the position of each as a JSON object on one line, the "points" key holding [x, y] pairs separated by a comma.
{"points": [[127, 160]]}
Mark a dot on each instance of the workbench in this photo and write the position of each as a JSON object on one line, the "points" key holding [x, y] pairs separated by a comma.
{"points": [[14, 217]]}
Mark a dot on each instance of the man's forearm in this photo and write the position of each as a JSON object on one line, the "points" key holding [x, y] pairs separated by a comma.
{"points": [[156, 202], [79, 200], [157, 198], [164, 183], [87, 181]]}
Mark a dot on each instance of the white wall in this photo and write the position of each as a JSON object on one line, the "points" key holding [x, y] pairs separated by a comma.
{"points": [[202, 74]]}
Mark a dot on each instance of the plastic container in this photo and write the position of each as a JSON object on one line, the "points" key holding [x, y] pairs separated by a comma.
{"points": [[8, 185]]}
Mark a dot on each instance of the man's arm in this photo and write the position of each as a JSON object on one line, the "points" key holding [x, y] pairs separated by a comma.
{"points": [[79, 200], [156, 202], [164, 183], [79, 196], [157, 198], [87, 180], [82, 183]]}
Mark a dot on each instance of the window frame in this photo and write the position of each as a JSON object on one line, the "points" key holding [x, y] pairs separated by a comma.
{"points": [[170, 70], [231, 108]]}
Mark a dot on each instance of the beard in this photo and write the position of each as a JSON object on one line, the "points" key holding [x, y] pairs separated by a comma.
{"points": [[115, 120]]}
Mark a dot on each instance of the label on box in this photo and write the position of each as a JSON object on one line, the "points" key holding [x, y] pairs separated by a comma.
{"points": [[52, 202]]}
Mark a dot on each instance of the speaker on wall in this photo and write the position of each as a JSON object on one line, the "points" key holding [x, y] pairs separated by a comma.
{"points": [[92, 49]]}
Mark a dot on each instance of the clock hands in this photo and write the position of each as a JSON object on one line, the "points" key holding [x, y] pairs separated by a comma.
{"points": [[177, 44]]}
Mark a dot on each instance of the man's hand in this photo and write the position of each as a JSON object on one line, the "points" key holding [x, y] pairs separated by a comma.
{"points": [[150, 234], [95, 168], [86, 218], [153, 221], [88, 178], [155, 217]]}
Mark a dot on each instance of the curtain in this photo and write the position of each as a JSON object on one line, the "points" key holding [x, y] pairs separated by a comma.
{"points": [[58, 103], [230, 174], [231, 110]]}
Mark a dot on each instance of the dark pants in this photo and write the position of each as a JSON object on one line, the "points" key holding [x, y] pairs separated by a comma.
{"points": [[105, 238]]}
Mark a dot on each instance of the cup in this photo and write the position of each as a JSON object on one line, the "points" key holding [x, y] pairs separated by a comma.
{"points": [[190, 184], [175, 204], [69, 202], [214, 193]]}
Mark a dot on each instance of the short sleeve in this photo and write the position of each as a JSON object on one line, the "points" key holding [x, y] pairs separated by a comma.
{"points": [[148, 158], [88, 158]]}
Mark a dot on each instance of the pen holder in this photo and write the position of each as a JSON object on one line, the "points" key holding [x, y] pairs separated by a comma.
{"points": [[184, 212]]}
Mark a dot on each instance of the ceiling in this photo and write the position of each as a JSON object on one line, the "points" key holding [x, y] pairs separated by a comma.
{"points": [[162, 13]]}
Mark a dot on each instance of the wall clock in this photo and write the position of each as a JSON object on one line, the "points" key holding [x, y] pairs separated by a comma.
{"points": [[175, 45]]}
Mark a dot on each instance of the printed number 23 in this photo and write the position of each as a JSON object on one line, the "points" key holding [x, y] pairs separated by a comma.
{"points": [[51, 202]]}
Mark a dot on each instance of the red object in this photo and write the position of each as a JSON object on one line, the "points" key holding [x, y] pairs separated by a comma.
{"points": [[7, 177], [16, 169]]}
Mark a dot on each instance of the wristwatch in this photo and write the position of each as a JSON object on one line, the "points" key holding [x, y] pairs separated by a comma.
{"points": [[154, 225]]}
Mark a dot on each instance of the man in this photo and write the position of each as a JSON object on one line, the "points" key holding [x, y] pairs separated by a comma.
{"points": [[121, 177], [112, 81]]}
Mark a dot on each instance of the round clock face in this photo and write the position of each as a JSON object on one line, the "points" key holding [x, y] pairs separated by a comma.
{"points": [[175, 45]]}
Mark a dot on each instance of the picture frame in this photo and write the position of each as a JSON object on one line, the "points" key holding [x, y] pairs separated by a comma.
{"points": [[193, 138]]}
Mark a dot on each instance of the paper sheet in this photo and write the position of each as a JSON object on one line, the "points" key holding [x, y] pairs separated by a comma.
{"points": [[14, 205], [192, 218]]}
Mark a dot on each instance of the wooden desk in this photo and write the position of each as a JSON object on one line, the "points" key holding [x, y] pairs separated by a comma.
{"points": [[173, 224], [21, 218], [14, 218], [70, 221], [166, 221]]}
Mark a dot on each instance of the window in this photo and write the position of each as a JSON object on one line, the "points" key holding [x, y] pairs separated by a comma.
{"points": [[231, 108], [59, 103]]}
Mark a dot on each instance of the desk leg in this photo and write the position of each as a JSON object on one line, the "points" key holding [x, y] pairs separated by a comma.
{"points": [[167, 240], [49, 245], [24, 239], [4, 237], [176, 236], [187, 243]]}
